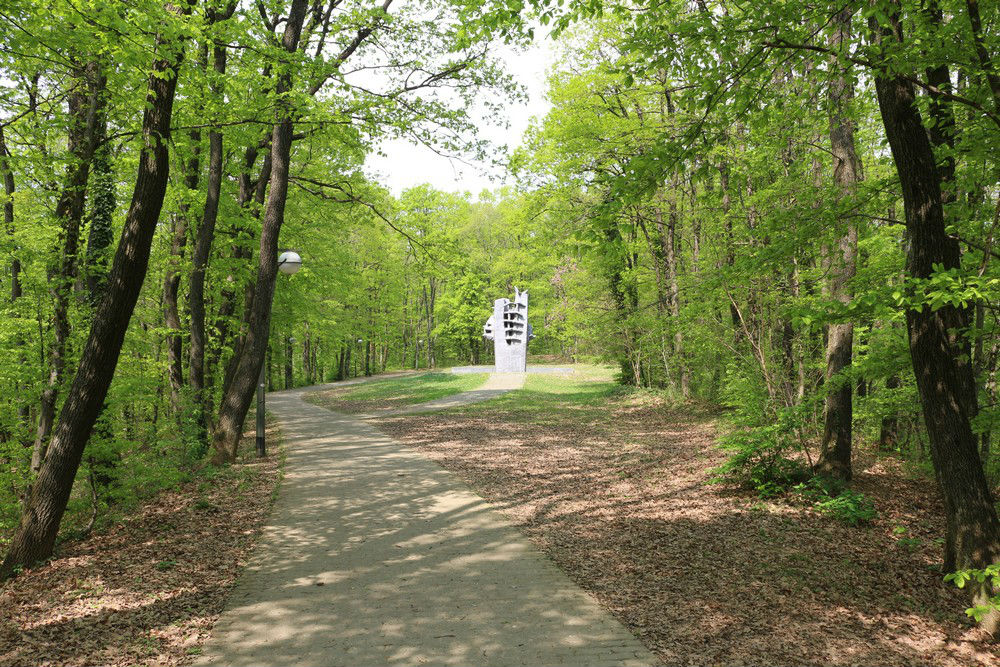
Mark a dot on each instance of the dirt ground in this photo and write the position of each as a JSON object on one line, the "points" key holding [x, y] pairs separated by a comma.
{"points": [[702, 574], [147, 591]]}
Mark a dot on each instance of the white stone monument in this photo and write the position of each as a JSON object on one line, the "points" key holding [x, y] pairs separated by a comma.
{"points": [[510, 332]]}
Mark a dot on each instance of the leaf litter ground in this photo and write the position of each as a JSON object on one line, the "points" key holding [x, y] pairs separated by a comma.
{"points": [[148, 590], [614, 488]]}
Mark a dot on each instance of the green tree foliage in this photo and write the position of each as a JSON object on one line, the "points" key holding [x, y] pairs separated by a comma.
{"points": [[682, 212], [72, 109], [723, 121]]}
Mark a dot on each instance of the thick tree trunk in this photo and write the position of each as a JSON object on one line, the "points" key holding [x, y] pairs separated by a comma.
{"points": [[835, 456], [939, 352], [251, 198], [239, 394], [622, 299], [36, 534]]}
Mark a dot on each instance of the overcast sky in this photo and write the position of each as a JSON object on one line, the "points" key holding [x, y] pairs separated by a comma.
{"points": [[406, 165]]}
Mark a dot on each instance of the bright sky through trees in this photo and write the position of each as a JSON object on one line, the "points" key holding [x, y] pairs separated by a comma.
{"points": [[404, 164]]}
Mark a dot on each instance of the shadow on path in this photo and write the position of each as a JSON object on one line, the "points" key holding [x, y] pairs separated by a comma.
{"points": [[376, 555]]}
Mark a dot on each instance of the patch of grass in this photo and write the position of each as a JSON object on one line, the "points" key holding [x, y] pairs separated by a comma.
{"points": [[165, 565], [396, 391], [203, 505], [556, 398]]}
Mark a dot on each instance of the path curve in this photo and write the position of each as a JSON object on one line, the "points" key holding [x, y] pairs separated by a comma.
{"points": [[497, 384], [375, 555]]}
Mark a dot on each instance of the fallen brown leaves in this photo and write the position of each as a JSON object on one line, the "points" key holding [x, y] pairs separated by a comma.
{"points": [[148, 591], [704, 575]]}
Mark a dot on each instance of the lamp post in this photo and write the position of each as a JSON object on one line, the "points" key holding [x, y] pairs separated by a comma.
{"points": [[289, 262]]}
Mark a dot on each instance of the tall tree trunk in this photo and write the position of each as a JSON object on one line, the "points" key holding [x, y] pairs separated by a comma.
{"points": [[16, 290], [938, 350], [84, 100], [889, 432], [239, 394], [982, 53], [102, 209], [669, 240], [429, 299], [35, 536], [8, 216], [251, 198], [734, 312], [835, 456], [621, 298], [200, 255], [171, 312], [172, 279]]}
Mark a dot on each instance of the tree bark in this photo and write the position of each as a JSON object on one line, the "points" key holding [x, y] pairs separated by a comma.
{"points": [[669, 241], [8, 216], [835, 456], [36, 534], [888, 436], [85, 99], [16, 290], [171, 311], [239, 394], [734, 313], [939, 352], [251, 199], [202, 250], [102, 209]]}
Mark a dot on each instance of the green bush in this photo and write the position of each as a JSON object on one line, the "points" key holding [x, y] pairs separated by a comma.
{"points": [[849, 506], [758, 462], [830, 496]]}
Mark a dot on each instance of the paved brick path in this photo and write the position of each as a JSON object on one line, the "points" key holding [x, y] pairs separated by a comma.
{"points": [[375, 555]]}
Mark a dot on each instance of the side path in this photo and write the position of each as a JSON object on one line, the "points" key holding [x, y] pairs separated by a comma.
{"points": [[375, 555]]}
